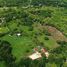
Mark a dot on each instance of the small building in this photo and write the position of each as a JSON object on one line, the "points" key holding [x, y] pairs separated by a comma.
{"points": [[18, 34], [45, 52], [38, 53], [35, 56]]}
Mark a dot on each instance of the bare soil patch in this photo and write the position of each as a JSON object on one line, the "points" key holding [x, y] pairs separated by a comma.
{"points": [[57, 35]]}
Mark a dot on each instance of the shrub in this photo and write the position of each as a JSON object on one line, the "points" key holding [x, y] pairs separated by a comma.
{"points": [[46, 38]]}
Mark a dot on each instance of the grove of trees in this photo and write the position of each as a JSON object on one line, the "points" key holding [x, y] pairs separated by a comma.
{"points": [[61, 3], [6, 53]]}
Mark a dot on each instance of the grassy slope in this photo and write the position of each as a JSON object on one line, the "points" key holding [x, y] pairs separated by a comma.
{"points": [[22, 44], [2, 64]]}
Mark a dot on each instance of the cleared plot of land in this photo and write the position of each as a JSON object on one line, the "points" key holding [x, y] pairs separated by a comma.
{"points": [[57, 35]]}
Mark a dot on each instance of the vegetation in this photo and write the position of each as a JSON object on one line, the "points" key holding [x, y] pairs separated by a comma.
{"points": [[23, 26], [5, 53]]}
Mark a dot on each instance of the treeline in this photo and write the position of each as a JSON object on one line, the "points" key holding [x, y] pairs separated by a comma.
{"points": [[61, 3], [10, 3]]}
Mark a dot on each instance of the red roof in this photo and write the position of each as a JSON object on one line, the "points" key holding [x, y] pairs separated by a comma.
{"points": [[44, 50], [36, 49]]}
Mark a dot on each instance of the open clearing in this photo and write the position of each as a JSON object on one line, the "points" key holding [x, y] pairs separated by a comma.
{"points": [[57, 35]]}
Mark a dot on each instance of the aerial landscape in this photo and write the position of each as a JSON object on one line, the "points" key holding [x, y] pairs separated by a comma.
{"points": [[33, 33]]}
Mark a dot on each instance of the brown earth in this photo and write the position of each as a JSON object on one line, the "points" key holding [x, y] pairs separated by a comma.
{"points": [[57, 35]]}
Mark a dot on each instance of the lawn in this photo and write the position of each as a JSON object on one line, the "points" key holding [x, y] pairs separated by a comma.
{"points": [[2, 64], [3, 29], [51, 43], [23, 45], [20, 45]]}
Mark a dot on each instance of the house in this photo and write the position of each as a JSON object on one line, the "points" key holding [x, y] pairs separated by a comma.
{"points": [[45, 52], [38, 53], [35, 56]]}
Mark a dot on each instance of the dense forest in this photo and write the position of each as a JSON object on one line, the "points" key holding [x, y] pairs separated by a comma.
{"points": [[60, 3]]}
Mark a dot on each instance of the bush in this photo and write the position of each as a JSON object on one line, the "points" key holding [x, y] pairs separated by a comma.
{"points": [[6, 52], [27, 50], [43, 13], [62, 43], [31, 28], [46, 38], [47, 33]]}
